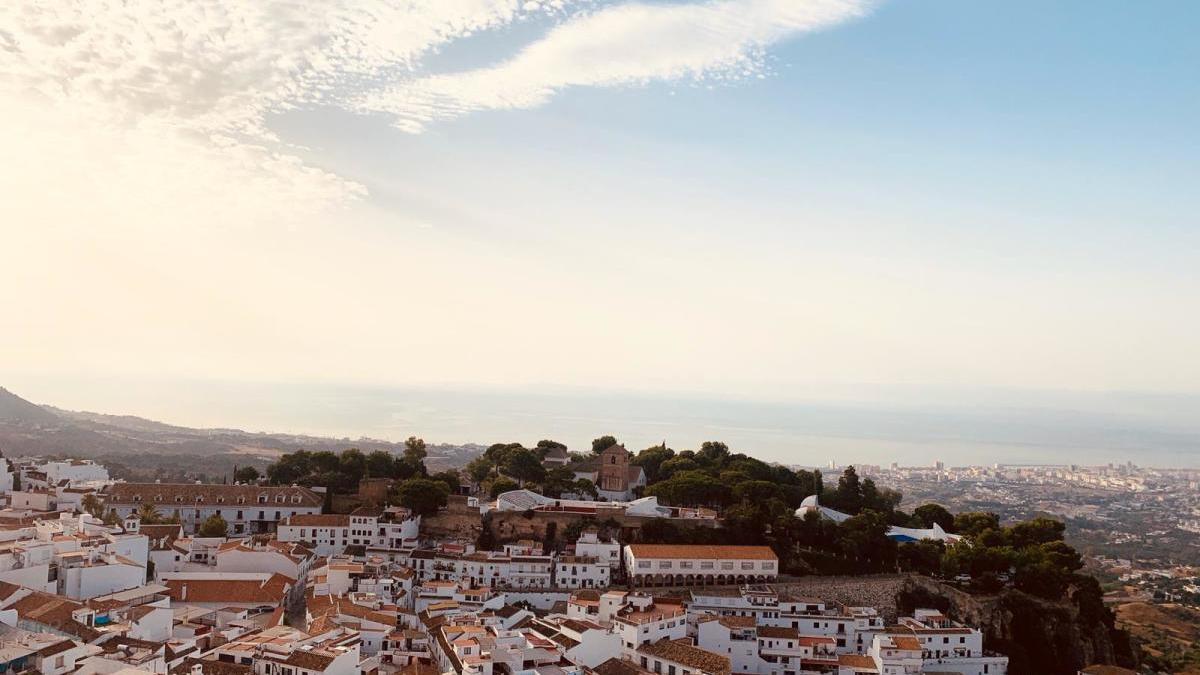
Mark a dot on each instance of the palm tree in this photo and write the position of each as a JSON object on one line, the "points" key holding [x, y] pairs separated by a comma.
{"points": [[148, 514]]}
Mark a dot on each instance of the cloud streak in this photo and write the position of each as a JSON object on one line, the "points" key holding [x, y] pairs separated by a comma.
{"points": [[211, 72], [194, 82], [623, 45]]}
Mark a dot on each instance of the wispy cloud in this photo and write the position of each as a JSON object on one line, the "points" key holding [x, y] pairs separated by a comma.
{"points": [[213, 71], [627, 44], [194, 82]]}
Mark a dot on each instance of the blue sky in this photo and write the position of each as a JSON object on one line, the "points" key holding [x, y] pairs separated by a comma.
{"points": [[742, 198]]}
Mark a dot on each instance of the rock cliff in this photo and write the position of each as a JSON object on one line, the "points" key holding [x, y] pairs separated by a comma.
{"points": [[1040, 637]]}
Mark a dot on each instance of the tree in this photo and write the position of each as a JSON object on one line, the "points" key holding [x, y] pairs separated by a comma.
{"points": [[111, 519], [756, 492], [524, 465], [1042, 579], [863, 538], [928, 514], [502, 485], [381, 464], [651, 459], [603, 443], [848, 496], [713, 453], [422, 496], [449, 477], [676, 464], [246, 474], [353, 463], [480, 468], [973, 523], [92, 505], [214, 526], [690, 488], [924, 557], [1040, 530], [585, 487], [414, 450], [149, 515], [558, 480]]}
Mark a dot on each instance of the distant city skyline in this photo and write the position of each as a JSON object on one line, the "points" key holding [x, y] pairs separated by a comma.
{"points": [[823, 201]]}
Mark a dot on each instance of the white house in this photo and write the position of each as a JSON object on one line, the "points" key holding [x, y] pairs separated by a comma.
{"points": [[679, 565], [640, 619], [381, 532], [575, 571], [248, 509], [590, 544]]}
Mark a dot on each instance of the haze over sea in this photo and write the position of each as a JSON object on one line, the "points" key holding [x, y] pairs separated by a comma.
{"points": [[868, 424]]}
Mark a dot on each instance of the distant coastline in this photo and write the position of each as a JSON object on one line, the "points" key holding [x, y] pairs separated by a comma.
{"points": [[810, 434]]}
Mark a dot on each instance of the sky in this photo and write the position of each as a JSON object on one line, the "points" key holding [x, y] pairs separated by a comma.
{"points": [[745, 199]]}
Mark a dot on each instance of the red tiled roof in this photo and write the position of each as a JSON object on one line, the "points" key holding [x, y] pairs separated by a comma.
{"points": [[702, 552], [270, 591], [124, 493]]}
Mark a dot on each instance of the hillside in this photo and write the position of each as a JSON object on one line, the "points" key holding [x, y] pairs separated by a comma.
{"points": [[136, 448]]}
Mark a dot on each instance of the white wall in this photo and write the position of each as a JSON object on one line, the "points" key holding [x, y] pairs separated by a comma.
{"points": [[82, 583]]}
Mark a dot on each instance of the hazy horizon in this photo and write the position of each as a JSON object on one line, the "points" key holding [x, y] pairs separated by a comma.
{"points": [[984, 428]]}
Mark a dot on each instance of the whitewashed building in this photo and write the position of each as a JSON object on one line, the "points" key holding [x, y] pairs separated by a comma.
{"points": [[690, 565], [248, 509]]}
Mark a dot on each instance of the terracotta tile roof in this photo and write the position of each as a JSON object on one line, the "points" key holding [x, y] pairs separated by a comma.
{"points": [[55, 648], [906, 642], [778, 633], [737, 621], [54, 611], [270, 591], [318, 520], [702, 552], [619, 666], [308, 660], [687, 654], [212, 667], [814, 640], [124, 493], [7, 590], [857, 662]]}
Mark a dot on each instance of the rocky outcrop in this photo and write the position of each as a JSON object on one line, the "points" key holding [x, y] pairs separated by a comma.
{"points": [[1040, 637]]}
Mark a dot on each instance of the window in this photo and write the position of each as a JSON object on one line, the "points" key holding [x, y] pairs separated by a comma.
{"points": [[706, 565], [747, 565], [643, 564], [726, 565], [664, 564], [686, 565]]}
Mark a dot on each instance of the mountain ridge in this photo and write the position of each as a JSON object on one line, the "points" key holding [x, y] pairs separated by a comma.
{"points": [[28, 428]]}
